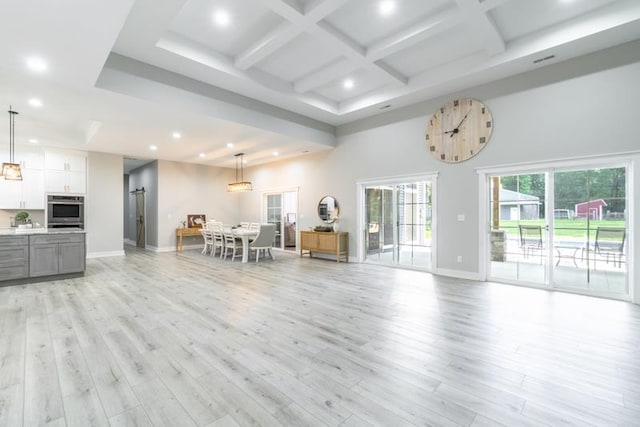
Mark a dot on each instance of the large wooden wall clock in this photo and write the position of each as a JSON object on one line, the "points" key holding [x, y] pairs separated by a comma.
{"points": [[459, 130]]}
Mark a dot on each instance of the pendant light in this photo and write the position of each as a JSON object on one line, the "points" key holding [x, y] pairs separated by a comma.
{"points": [[240, 185], [11, 170]]}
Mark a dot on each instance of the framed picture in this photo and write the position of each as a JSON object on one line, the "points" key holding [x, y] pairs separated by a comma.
{"points": [[196, 221]]}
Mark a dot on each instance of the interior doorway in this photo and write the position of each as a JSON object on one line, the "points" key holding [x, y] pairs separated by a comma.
{"points": [[141, 232], [281, 209]]}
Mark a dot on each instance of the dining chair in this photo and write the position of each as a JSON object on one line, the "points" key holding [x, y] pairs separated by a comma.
{"points": [[231, 242], [254, 226], [208, 241], [264, 240], [609, 244], [218, 241], [530, 240], [244, 224]]}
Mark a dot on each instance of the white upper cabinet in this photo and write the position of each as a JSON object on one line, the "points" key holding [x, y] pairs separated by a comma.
{"points": [[66, 161], [28, 193], [66, 172]]}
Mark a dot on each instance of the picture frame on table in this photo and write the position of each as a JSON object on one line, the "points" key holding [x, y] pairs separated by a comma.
{"points": [[196, 220]]}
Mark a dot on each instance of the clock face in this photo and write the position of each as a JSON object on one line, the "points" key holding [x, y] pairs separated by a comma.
{"points": [[459, 130]]}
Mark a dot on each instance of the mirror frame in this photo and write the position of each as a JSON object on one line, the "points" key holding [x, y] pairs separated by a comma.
{"points": [[328, 214]]}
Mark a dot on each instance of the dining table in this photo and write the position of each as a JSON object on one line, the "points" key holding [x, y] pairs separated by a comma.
{"points": [[245, 234]]}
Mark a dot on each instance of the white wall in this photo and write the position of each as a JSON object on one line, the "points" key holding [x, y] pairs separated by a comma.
{"points": [[185, 188], [596, 114], [104, 205]]}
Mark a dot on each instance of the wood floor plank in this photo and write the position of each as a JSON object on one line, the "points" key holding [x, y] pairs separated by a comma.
{"points": [[134, 417], [166, 339]]}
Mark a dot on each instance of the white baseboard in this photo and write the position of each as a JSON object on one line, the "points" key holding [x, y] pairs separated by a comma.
{"points": [[105, 254], [458, 274], [129, 242]]}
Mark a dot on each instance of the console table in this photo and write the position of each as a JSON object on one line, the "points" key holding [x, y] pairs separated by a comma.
{"points": [[333, 243], [185, 232]]}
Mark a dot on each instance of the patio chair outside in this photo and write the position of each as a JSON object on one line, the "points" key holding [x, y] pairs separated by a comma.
{"points": [[609, 244], [530, 240]]}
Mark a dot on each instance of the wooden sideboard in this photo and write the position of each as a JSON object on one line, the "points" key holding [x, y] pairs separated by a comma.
{"points": [[185, 232], [333, 243]]}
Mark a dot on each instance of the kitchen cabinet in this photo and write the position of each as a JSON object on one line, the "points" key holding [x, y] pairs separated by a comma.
{"points": [[14, 257], [56, 254], [66, 172], [28, 193], [334, 243]]}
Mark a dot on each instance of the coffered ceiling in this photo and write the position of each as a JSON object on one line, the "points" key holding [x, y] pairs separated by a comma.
{"points": [[271, 75]]}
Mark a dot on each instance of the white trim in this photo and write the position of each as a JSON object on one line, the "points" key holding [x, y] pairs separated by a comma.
{"points": [[398, 179], [593, 161], [575, 291], [129, 242], [105, 254], [165, 248], [458, 274]]}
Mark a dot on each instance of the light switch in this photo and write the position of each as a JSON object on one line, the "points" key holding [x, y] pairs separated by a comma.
{"points": [[461, 217]]}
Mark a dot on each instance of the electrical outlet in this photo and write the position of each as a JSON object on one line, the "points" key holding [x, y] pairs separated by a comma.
{"points": [[459, 258]]}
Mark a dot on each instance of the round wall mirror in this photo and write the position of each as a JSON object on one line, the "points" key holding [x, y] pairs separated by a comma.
{"points": [[328, 209]]}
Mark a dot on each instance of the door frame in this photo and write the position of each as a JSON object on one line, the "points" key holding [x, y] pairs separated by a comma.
{"points": [[394, 180], [263, 206], [550, 167]]}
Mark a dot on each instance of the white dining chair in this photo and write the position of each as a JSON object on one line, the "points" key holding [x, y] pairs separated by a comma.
{"points": [[254, 226], [264, 240], [244, 224], [218, 241], [231, 242], [208, 241]]}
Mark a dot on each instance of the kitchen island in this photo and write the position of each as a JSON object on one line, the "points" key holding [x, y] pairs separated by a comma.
{"points": [[39, 254]]}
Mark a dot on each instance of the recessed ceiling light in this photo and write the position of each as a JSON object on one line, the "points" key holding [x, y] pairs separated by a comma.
{"points": [[153, 147], [35, 102], [229, 144], [386, 7], [275, 153], [222, 18], [33, 141], [348, 84], [176, 135], [201, 155], [37, 64]]}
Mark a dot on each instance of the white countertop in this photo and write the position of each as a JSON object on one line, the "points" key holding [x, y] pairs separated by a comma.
{"points": [[29, 231]]}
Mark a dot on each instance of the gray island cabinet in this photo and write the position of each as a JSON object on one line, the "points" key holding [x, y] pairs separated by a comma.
{"points": [[56, 254], [41, 255], [14, 257]]}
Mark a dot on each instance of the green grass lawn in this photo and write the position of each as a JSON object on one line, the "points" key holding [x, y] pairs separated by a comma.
{"points": [[569, 228]]}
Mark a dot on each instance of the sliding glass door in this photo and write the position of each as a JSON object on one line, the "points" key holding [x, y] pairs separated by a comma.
{"points": [[561, 228], [397, 223]]}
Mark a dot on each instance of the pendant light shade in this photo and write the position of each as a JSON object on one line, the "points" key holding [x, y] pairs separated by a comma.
{"points": [[11, 170], [240, 185]]}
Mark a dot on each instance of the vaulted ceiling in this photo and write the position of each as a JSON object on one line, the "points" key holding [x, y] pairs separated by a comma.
{"points": [[272, 75]]}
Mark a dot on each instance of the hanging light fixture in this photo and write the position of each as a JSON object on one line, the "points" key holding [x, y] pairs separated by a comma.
{"points": [[11, 170], [239, 185]]}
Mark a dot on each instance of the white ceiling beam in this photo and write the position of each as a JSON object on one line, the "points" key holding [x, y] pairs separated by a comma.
{"points": [[270, 43], [432, 26], [325, 75], [320, 9], [329, 35], [347, 47], [285, 32], [483, 25], [488, 5]]}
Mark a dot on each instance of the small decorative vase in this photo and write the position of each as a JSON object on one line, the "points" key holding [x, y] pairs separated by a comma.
{"points": [[336, 227]]}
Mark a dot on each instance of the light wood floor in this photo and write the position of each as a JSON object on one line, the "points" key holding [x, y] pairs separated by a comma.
{"points": [[183, 340]]}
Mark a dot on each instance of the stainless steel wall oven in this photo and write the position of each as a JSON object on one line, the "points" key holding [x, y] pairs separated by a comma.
{"points": [[65, 211]]}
